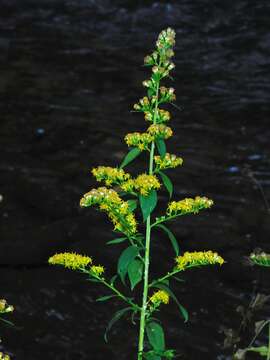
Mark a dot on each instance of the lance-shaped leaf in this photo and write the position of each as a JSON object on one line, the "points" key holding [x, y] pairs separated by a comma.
{"points": [[116, 241], [105, 298], [183, 311], [115, 318], [135, 272], [127, 256], [171, 237], [131, 155], [155, 336], [148, 204], [132, 204], [167, 182], [161, 147]]}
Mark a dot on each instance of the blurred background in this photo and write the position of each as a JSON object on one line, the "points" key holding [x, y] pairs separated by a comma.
{"points": [[70, 74]]}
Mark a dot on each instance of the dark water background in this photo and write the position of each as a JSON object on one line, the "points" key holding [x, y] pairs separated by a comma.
{"points": [[70, 72]]}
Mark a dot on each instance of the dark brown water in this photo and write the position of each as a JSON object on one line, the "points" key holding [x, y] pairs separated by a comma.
{"points": [[70, 72]]}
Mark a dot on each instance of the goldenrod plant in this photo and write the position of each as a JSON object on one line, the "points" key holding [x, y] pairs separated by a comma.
{"points": [[259, 259], [4, 309], [126, 197]]}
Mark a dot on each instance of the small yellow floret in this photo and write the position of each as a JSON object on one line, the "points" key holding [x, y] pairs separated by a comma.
{"points": [[97, 270], [198, 258], [159, 297], [71, 261]]}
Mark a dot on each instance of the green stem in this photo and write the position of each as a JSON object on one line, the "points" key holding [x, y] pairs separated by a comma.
{"points": [[147, 248], [164, 277], [268, 354], [118, 293], [111, 287]]}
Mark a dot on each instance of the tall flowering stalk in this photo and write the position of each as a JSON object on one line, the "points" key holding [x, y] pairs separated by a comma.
{"points": [[120, 198]]}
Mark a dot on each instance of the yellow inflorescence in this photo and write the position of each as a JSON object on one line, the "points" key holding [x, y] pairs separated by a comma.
{"points": [[188, 205], [143, 184], [198, 258], [139, 140], [110, 175], [168, 161], [116, 208], [161, 115], [128, 186], [71, 261], [4, 356], [5, 307], [159, 297], [160, 131], [97, 270]]}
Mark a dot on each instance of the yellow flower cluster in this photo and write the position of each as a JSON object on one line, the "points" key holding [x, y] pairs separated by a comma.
{"points": [[71, 261], [110, 175], [5, 307], [139, 140], [188, 205], [117, 209], [161, 116], [198, 258], [144, 183], [143, 104], [4, 356], [160, 131], [261, 259], [159, 297], [168, 161], [97, 270]]}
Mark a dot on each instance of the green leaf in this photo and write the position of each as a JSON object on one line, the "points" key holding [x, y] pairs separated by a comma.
{"points": [[131, 155], [105, 298], [132, 205], [148, 203], [178, 279], [155, 336], [152, 356], [7, 322], [262, 350], [116, 241], [161, 147], [167, 183], [127, 256], [114, 319], [169, 291], [171, 237], [113, 279], [135, 272], [151, 92]]}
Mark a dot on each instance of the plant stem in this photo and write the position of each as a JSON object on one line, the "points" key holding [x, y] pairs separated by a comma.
{"points": [[147, 247], [268, 354], [118, 293]]}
